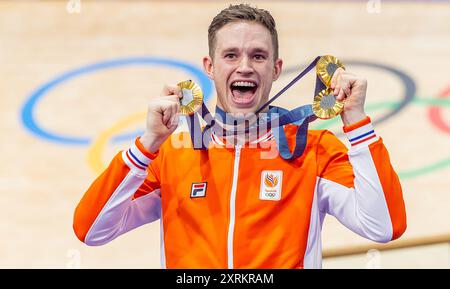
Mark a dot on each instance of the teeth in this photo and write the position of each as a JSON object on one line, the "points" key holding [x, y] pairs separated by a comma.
{"points": [[244, 83]]}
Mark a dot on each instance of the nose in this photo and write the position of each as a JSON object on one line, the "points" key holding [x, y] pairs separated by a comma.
{"points": [[245, 66]]}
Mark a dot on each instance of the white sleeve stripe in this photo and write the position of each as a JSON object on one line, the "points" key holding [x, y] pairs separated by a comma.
{"points": [[122, 214], [371, 198], [366, 218], [97, 234], [162, 244], [356, 146], [358, 133], [363, 208], [137, 170], [313, 252], [139, 156]]}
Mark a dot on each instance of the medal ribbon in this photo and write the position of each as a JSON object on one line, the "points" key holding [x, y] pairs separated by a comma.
{"points": [[276, 117]]}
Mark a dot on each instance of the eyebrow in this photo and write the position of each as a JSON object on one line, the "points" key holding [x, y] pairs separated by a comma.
{"points": [[261, 50], [230, 49], [254, 50]]}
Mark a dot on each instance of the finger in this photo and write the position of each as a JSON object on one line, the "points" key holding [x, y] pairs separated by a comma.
{"points": [[347, 90], [344, 85], [336, 90], [177, 106], [341, 95], [175, 109], [172, 90], [166, 114], [336, 77], [174, 121], [172, 98]]}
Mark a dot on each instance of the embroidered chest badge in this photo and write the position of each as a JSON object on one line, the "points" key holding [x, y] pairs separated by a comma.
{"points": [[198, 190], [271, 185]]}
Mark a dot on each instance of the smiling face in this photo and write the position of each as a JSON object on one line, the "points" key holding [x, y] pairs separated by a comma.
{"points": [[243, 66]]}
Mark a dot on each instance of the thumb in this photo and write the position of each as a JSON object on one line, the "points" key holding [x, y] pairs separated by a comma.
{"points": [[174, 121]]}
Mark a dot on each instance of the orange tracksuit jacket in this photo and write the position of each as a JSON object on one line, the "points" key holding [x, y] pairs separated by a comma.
{"points": [[232, 208]]}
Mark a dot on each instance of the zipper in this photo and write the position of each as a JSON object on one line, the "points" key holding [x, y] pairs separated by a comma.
{"points": [[237, 157]]}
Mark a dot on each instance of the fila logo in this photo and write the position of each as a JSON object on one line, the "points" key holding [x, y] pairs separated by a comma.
{"points": [[271, 185], [198, 190]]}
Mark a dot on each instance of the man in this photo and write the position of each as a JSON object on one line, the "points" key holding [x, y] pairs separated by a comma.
{"points": [[212, 203]]}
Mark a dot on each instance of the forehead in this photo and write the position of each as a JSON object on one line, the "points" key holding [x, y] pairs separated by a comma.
{"points": [[243, 35]]}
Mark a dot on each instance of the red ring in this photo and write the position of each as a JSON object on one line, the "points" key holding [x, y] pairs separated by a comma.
{"points": [[435, 113]]}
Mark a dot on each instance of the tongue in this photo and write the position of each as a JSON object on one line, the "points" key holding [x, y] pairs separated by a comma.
{"points": [[242, 96]]}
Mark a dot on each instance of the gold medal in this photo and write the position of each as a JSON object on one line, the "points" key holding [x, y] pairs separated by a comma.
{"points": [[192, 97], [325, 68], [326, 106]]}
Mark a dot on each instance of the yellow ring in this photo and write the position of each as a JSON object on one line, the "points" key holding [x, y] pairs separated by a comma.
{"points": [[96, 149], [94, 155]]}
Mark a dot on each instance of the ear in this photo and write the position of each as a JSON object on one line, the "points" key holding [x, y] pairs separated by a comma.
{"points": [[277, 68], [208, 67]]}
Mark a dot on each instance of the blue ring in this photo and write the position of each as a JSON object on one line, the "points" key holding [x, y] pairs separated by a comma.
{"points": [[28, 117], [407, 81]]}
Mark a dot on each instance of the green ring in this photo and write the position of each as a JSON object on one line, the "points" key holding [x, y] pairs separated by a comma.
{"points": [[392, 104]]}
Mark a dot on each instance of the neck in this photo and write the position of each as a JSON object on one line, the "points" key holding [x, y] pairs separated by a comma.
{"points": [[239, 121]]}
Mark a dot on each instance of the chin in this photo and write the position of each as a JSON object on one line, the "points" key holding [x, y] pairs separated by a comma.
{"points": [[243, 108]]}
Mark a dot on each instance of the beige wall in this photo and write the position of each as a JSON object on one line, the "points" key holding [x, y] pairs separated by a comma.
{"points": [[41, 182], [435, 256]]}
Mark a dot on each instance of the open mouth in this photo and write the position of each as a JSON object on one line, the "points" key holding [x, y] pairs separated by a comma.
{"points": [[243, 91]]}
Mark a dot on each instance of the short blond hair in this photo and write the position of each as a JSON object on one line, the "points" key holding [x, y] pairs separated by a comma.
{"points": [[242, 12]]}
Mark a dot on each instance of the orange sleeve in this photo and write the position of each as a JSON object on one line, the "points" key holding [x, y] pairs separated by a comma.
{"points": [[130, 173], [359, 186], [391, 187]]}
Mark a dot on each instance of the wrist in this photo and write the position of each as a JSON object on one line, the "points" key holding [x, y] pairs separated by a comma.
{"points": [[351, 117], [149, 143]]}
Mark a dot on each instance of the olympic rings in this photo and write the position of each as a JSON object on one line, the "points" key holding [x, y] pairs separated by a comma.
{"points": [[28, 109], [408, 84], [28, 116], [435, 115], [410, 173], [95, 151]]}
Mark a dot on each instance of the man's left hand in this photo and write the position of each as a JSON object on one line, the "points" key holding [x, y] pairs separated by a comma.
{"points": [[352, 89]]}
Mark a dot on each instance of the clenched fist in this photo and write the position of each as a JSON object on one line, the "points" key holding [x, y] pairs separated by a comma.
{"points": [[162, 118], [353, 89]]}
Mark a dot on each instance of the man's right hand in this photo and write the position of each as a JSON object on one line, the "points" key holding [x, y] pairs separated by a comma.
{"points": [[162, 118]]}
